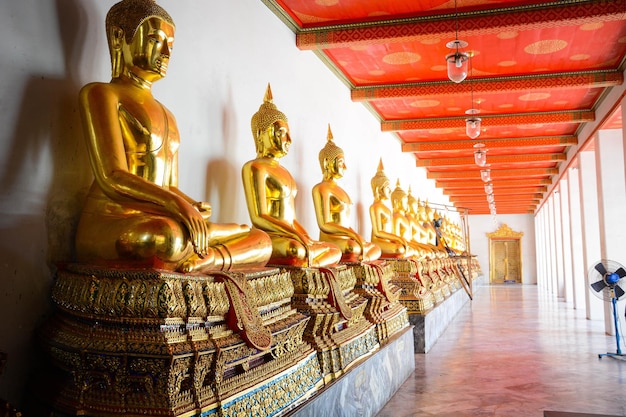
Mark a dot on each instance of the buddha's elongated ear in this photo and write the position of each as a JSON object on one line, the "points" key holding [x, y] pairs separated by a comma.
{"points": [[117, 36]]}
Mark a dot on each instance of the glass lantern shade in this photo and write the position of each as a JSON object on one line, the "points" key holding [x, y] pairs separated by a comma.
{"points": [[490, 198], [489, 188], [472, 127], [457, 66], [485, 175], [480, 155], [457, 62]]}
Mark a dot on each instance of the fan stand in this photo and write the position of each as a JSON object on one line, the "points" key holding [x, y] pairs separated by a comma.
{"points": [[615, 323]]}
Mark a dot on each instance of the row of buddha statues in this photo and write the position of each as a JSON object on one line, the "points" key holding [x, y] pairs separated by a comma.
{"points": [[135, 213], [164, 312]]}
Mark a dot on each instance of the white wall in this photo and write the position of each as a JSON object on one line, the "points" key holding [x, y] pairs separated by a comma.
{"points": [[479, 242], [224, 55]]}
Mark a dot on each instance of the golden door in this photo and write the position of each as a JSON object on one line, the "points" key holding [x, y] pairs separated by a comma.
{"points": [[506, 261]]}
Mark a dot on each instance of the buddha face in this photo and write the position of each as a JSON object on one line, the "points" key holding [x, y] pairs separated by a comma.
{"points": [[337, 167], [412, 205], [148, 54], [275, 141], [384, 191]]}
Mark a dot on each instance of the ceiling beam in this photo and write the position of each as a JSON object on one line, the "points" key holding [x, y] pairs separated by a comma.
{"points": [[560, 81], [497, 184], [495, 120], [509, 191], [476, 198], [475, 23], [457, 145], [500, 174], [519, 159]]}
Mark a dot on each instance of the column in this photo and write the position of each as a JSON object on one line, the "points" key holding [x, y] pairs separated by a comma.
{"points": [[576, 238], [611, 202], [552, 271], [539, 249], [566, 240], [558, 244], [590, 226]]}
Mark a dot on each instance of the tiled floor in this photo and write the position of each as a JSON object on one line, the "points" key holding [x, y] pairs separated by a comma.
{"points": [[515, 352]]}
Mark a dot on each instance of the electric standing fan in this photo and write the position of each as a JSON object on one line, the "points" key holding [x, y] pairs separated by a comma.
{"points": [[605, 278]]}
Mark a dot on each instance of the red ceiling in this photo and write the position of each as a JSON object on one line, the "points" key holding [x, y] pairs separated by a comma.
{"points": [[539, 70]]}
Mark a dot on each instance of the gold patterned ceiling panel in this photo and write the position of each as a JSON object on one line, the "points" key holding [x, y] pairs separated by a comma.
{"points": [[538, 72]]}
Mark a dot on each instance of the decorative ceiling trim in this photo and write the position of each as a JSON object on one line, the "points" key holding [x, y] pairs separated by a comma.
{"points": [[500, 193], [504, 232], [478, 23], [497, 184], [528, 199], [556, 81], [516, 159], [500, 174], [495, 120], [458, 145]]}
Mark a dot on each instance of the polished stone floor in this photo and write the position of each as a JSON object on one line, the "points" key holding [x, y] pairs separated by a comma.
{"points": [[515, 352]]}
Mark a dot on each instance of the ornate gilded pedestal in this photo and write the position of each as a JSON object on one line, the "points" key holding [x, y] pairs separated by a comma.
{"points": [[150, 342], [416, 298], [435, 286], [373, 282], [337, 330]]}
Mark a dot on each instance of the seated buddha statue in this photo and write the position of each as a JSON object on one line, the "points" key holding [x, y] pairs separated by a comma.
{"points": [[391, 244], [429, 235], [401, 222], [332, 208], [271, 191], [135, 214], [419, 233]]}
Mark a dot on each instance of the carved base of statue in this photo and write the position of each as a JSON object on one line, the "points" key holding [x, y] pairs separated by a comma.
{"points": [[338, 330], [373, 282], [441, 282], [432, 282], [415, 297], [151, 342]]}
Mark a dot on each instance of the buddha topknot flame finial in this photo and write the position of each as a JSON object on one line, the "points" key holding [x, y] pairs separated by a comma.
{"points": [[267, 114], [330, 151], [380, 179]]}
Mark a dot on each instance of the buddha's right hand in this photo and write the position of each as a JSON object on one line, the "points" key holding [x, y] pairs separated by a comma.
{"points": [[204, 208], [197, 227]]}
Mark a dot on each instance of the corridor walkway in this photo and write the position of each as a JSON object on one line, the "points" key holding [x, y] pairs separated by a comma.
{"points": [[514, 352]]}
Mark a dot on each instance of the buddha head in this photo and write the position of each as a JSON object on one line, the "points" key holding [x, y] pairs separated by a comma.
{"points": [[380, 183], [140, 34], [399, 198], [332, 160], [412, 203], [270, 129]]}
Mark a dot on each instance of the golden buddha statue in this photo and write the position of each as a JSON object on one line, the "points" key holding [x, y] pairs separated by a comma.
{"points": [[419, 233], [271, 191], [391, 244], [429, 234], [134, 214], [401, 222], [332, 208]]}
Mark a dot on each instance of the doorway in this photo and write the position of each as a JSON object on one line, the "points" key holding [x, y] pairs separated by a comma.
{"points": [[505, 256]]}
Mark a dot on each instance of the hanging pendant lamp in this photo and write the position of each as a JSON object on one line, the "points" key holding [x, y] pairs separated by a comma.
{"points": [[457, 62]]}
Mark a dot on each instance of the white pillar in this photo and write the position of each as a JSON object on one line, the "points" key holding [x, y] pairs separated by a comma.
{"points": [[623, 107], [558, 245], [611, 202], [552, 263], [566, 247], [576, 240], [590, 226], [539, 249]]}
